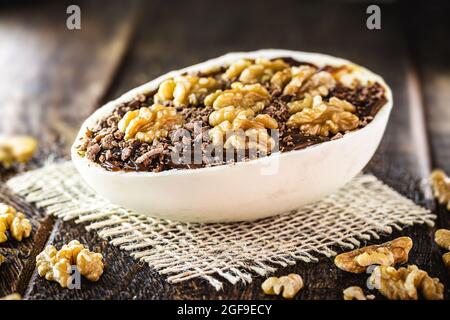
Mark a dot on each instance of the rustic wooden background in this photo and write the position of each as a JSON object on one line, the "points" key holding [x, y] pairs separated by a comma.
{"points": [[51, 78]]}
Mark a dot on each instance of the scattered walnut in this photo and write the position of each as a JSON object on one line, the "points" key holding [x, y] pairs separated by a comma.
{"points": [[240, 129], [387, 254], [324, 117], [56, 265], [442, 238], [356, 293], [18, 226], [406, 283], [441, 187], [13, 296], [253, 96], [184, 90], [90, 264], [147, 124], [16, 149], [45, 261], [446, 259], [289, 285]]}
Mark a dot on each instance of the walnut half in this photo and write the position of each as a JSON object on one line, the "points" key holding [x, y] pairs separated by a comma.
{"points": [[16, 149], [147, 124], [356, 293], [406, 283], [288, 285], [442, 238], [56, 265], [321, 118], [19, 227], [441, 187], [386, 254], [240, 129]]}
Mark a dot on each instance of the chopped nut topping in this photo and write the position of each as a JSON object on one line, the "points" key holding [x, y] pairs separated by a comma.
{"points": [[184, 90], [16, 149], [442, 238], [253, 96], [405, 283], [441, 187], [147, 124], [356, 293], [13, 296], [18, 226], [288, 285], [56, 265], [240, 129], [387, 254], [321, 117]]}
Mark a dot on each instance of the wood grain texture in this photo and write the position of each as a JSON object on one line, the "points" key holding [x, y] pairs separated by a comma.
{"points": [[43, 64], [178, 34]]}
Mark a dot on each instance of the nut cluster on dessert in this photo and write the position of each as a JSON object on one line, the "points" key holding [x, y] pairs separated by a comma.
{"points": [[248, 109]]}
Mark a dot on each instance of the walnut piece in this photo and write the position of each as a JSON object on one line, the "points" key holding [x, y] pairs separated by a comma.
{"points": [[250, 96], [147, 124], [16, 149], [406, 283], [356, 293], [323, 118], [260, 71], [19, 227], [185, 90], [446, 259], [241, 129], [12, 296], [386, 254], [288, 285], [2, 259], [441, 187], [56, 265], [90, 264], [442, 238], [303, 79]]}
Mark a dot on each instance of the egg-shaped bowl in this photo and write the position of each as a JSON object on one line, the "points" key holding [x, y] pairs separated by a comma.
{"points": [[241, 191]]}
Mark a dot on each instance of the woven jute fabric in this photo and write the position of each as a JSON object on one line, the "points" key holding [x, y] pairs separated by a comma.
{"points": [[364, 209]]}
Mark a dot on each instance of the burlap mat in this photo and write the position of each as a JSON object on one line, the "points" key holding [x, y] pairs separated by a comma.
{"points": [[363, 209]]}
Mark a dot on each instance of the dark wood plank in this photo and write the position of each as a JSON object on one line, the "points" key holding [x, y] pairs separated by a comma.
{"points": [[202, 31], [51, 79]]}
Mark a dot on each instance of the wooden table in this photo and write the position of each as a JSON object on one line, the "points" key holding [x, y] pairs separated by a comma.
{"points": [[51, 78]]}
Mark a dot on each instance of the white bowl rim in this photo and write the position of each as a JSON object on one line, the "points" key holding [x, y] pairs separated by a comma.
{"points": [[152, 85]]}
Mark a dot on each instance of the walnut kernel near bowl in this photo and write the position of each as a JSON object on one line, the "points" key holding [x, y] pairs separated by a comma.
{"points": [[286, 128]]}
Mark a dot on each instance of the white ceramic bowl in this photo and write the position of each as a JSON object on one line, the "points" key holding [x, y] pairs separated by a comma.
{"points": [[246, 190]]}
